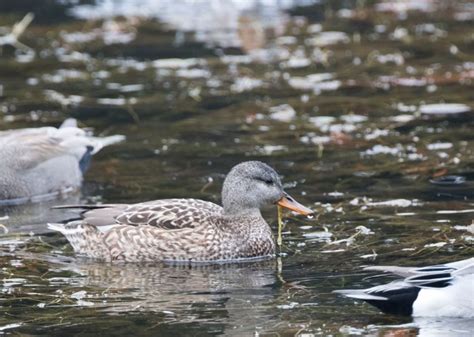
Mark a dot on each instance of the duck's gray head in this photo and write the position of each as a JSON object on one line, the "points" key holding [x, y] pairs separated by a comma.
{"points": [[251, 185]]}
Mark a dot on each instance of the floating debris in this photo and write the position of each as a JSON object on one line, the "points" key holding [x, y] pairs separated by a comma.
{"points": [[311, 138], [16, 32], [270, 149], [395, 203], [402, 118], [374, 134], [436, 245], [448, 180], [323, 39], [288, 306], [322, 236], [353, 118], [11, 282], [455, 211], [397, 59], [61, 75], [469, 228], [79, 37], [131, 87], [243, 84], [402, 7], [282, 113], [79, 296], [369, 256], [112, 101], [329, 251], [111, 33], [64, 100], [405, 108], [349, 330], [308, 82], [443, 109], [236, 59], [322, 122], [297, 62], [383, 149], [10, 326], [439, 146], [176, 63], [193, 73], [361, 230]]}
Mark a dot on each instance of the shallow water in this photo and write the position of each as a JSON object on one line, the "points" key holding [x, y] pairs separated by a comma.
{"points": [[364, 109]]}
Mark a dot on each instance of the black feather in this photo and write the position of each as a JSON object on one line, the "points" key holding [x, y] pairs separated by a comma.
{"points": [[398, 301]]}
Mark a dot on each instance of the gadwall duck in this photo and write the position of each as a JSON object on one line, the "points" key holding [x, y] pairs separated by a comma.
{"points": [[432, 291], [186, 230], [42, 163]]}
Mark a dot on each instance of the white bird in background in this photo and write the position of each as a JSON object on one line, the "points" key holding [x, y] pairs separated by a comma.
{"points": [[42, 163], [433, 291]]}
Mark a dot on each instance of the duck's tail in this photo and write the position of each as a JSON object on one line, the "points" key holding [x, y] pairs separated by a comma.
{"points": [[84, 238], [394, 298]]}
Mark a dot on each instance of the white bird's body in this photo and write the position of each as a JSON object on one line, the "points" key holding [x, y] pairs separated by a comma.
{"points": [[432, 291], [40, 163]]}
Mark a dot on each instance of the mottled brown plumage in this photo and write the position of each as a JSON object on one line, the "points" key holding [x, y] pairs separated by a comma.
{"points": [[186, 230]]}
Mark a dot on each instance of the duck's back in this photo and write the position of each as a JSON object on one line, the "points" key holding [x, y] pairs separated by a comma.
{"points": [[38, 163], [167, 214], [27, 173]]}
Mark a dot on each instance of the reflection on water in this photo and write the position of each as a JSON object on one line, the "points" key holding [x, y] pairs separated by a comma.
{"points": [[242, 292], [230, 23], [364, 107], [429, 327], [32, 218]]}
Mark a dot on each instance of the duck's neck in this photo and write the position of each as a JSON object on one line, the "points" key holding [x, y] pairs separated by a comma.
{"points": [[252, 236], [246, 221], [240, 212]]}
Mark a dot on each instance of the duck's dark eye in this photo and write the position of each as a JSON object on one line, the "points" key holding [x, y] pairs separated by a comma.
{"points": [[266, 181]]}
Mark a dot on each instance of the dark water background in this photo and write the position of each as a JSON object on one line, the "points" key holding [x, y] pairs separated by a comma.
{"points": [[363, 107]]}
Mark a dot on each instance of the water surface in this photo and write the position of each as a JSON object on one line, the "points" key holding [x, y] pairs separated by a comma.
{"points": [[364, 108]]}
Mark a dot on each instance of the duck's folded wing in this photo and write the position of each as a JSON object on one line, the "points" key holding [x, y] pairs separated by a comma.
{"points": [[169, 213], [413, 271], [165, 213], [438, 279], [32, 150], [436, 276]]}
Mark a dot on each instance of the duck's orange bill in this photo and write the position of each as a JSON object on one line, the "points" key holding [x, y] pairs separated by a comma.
{"points": [[290, 203]]}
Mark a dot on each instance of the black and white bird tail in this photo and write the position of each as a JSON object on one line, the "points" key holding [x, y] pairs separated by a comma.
{"points": [[395, 298], [438, 290]]}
